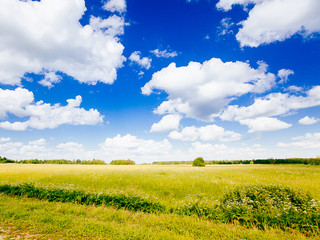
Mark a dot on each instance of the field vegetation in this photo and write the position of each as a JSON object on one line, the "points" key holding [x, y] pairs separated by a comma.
{"points": [[306, 161], [122, 162], [216, 202]]}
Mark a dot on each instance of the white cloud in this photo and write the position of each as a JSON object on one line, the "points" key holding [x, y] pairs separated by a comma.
{"points": [[118, 147], [115, 6], [275, 20], [50, 78], [72, 147], [294, 88], [142, 62], [225, 27], [19, 102], [46, 35], [167, 123], [5, 139], [201, 90], [14, 102], [164, 53], [206, 133], [308, 121], [128, 146], [308, 141], [223, 152], [273, 104], [283, 74], [112, 26], [264, 124]]}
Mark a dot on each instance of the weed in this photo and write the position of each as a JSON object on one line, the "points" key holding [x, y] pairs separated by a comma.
{"points": [[60, 195]]}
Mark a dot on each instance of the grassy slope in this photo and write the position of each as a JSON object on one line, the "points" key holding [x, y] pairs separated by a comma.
{"points": [[167, 184]]}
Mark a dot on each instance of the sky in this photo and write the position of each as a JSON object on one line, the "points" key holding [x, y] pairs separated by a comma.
{"points": [[160, 80]]}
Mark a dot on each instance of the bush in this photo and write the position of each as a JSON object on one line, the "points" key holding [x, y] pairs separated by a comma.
{"points": [[121, 201], [198, 162], [6, 160], [122, 162], [272, 206]]}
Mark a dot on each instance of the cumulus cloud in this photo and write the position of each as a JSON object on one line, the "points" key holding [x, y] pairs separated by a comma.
{"points": [[206, 133], [283, 74], [308, 141], [201, 90], [14, 102], [20, 102], [129, 146], [308, 120], [164, 53], [167, 123], [273, 104], [115, 6], [72, 147], [264, 124], [275, 20], [224, 152], [47, 36], [50, 78], [144, 62], [294, 88], [112, 26], [5, 139], [118, 147]]}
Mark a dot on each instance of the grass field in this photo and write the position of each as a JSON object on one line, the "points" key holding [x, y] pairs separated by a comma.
{"points": [[171, 186]]}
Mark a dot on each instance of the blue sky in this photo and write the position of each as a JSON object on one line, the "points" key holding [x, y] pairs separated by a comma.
{"points": [[159, 80]]}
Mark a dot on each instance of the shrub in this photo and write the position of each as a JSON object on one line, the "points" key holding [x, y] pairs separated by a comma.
{"points": [[6, 160], [121, 201], [272, 206], [122, 162], [198, 162]]}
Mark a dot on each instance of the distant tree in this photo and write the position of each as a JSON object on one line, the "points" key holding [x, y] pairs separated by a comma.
{"points": [[198, 162], [122, 162]]}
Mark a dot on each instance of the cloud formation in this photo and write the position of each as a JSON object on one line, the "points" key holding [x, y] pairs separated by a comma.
{"points": [[129, 146], [284, 74], [47, 35], [221, 151], [264, 124], [115, 6], [118, 147], [201, 90], [206, 133], [143, 62], [20, 102], [49, 79], [274, 104], [167, 123], [308, 120], [308, 141], [164, 54], [275, 20]]}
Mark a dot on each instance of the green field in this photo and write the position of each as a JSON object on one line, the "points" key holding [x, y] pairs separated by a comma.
{"points": [[170, 186]]}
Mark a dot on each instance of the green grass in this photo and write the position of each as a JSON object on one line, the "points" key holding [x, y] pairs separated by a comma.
{"points": [[170, 186], [46, 220]]}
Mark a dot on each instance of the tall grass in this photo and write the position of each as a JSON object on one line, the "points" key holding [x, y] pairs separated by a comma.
{"points": [[252, 206], [182, 190], [133, 203], [23, 218]]}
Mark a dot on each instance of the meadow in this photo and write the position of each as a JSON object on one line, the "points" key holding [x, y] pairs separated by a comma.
{"points": [[188, 197]]}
